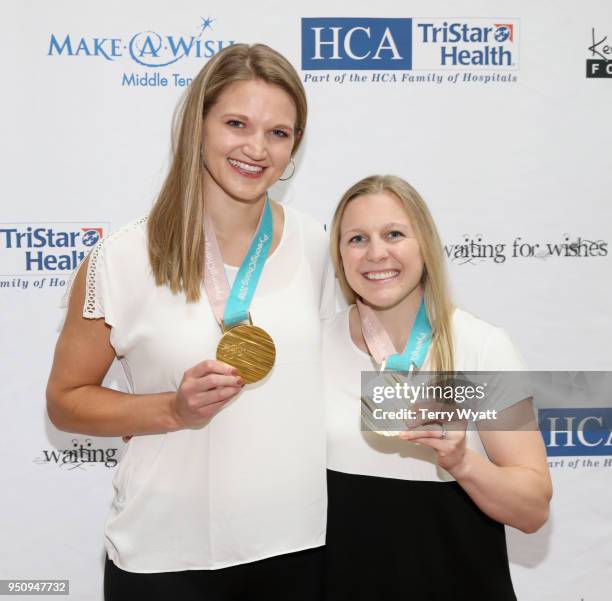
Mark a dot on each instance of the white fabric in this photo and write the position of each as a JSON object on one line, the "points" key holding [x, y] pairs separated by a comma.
{"points": [[478, 346], [251, 484]]}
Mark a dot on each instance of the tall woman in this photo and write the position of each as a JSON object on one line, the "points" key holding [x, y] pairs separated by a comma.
{"points": [[419, 522], [220, 493]]}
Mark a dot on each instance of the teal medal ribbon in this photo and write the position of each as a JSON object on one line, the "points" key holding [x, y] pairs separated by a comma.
{"points": [[418, 344], [382, 349], [247, 278]]}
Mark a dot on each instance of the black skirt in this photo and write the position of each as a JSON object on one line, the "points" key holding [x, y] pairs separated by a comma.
{"points": [[402, 539]]}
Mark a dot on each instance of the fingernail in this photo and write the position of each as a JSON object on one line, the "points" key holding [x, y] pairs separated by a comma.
{"points": [[239, 382], [234, 371]]}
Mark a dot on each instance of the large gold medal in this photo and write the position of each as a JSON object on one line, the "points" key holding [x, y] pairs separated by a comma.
{"points": [[249, 349]]}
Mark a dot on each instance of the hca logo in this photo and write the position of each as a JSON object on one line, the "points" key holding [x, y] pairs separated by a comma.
{"points": [[345, 43], [570, 432]]}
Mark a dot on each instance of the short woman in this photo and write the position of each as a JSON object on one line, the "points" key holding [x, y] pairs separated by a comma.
{"points": [[426, 521]]}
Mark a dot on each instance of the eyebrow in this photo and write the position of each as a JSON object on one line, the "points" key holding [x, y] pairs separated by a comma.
{"points": [[238, 115], [387, 225], [245, 118]]}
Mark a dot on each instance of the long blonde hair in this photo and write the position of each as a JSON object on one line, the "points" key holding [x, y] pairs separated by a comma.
{"points": [[175, 232], [434, 280]]}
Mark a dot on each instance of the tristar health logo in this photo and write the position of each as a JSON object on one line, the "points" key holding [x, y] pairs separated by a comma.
{"points": [[31, 249]]}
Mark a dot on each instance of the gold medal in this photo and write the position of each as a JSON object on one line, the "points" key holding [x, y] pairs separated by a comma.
{"points": [[244, 346], [249, 349]]}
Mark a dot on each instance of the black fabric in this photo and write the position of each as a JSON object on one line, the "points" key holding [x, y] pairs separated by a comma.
{"points": [[292, 577], [403, 539]]}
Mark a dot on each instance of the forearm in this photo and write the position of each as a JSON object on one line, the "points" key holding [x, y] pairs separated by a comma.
{"points": [[515, 495], [100, 411]]}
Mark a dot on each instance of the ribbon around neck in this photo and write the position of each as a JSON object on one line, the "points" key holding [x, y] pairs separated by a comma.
{"points": [[381, 347], [232, 306]]}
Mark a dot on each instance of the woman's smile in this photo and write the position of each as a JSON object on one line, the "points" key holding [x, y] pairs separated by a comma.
{"points": [[246, 169]]}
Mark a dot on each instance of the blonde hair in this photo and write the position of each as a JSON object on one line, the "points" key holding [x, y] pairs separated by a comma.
{"points": [[175, 224], [434, 281]]}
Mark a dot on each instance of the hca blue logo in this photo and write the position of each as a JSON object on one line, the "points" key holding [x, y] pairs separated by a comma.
{"points": [[348, 43], [147, 48], [570, 432]]}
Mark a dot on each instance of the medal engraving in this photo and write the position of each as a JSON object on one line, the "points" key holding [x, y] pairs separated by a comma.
{"points": [[249, 349]]}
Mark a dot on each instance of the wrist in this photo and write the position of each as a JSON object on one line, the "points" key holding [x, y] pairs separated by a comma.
{"points": [[461, 470], [174, 420]]}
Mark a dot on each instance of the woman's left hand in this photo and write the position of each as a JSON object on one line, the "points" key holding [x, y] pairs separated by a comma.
{"points": [[446, 438]]}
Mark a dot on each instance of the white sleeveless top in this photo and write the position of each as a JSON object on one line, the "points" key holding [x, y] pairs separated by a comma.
{"points": [[478, 346], [250, 484]]}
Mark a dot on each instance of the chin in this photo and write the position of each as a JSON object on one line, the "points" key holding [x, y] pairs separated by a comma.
{"points": [[245, 193], [386, 299], [241, 188], [380, 301], [382, 305]]}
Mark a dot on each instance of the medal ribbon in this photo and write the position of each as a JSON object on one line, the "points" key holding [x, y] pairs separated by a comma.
{"points": [[380, 345], [232, 306]]}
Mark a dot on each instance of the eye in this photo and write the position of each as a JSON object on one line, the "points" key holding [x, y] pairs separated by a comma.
{"points": [[395, 235], [235, 123], [357, 239], [280, 133]]}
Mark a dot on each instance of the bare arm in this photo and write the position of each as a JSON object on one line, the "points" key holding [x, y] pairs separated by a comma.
{"points": [[77, 402], [513, 485]]}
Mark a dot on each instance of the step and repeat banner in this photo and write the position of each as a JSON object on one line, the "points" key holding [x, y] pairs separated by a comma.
{"points": [[498, 113]]}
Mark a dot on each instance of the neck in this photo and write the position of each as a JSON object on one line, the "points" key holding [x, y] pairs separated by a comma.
{"points": [[231, 218], [398, 319]]}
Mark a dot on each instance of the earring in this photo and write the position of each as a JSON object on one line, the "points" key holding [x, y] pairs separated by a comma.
{"points": [[284, 179]]}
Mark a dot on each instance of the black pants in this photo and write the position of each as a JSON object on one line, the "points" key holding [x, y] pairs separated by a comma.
{"points": [[292, 577]]}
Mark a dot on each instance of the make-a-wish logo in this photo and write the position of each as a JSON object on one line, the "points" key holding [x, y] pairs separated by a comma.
{"points": [[81, 454], [46, 248], [146, 48], [599, 63]]}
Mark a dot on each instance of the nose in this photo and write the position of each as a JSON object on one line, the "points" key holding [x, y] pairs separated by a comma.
{"points": [[377, 250], [255, 146]]}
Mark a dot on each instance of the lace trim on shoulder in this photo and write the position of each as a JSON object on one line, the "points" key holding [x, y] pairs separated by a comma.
{"points": [[90, 292], [92, 307]]}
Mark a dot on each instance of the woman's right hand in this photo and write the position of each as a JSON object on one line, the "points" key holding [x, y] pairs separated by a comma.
{"points": [[204, 391]]}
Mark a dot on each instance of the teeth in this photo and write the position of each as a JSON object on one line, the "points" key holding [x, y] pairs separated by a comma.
{"points": [[245, 166], [380, 275]]}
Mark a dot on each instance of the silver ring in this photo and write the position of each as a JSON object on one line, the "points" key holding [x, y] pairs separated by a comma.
{"points": [[444, 431]]}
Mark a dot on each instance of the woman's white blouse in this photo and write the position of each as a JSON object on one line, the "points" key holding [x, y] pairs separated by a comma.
{"points": [[478, 346], [251, 484]]}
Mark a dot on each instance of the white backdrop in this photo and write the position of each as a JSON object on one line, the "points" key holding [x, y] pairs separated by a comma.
{"points": [[518, 154]]}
